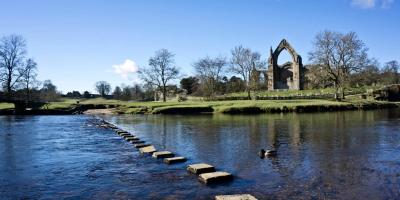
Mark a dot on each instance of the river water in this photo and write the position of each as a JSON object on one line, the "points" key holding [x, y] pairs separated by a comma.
{"points": [[341, 155]]}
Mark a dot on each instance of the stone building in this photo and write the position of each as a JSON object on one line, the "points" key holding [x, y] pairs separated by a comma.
{"points": [[289, 75]]}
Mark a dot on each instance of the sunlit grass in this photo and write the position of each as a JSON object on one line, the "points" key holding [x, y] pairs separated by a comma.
{"points": [[285, 93], [6, 106], [197, 105], [218, 106], [64, 103]]}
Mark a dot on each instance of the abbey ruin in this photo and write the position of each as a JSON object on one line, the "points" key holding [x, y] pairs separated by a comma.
{"points": [[287, 76]]}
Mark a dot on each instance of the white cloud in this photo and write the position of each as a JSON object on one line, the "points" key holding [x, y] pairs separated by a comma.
{"points": [[127, 68], [368, 4]]}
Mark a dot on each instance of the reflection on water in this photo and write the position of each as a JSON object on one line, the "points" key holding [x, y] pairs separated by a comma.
{"points": [[343, 155]]}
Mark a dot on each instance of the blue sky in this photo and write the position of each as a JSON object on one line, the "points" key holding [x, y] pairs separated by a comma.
{"points": [[77, 43]]}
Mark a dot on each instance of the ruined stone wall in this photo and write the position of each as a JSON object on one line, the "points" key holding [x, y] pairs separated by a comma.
{"points": [[288, 76]]}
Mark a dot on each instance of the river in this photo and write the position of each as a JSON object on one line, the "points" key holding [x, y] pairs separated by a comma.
{"points": [[339, 155]]}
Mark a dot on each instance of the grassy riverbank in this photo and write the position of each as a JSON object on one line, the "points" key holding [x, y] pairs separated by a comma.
{"points": [[250, 107], [296, 93], [4, 106], [240, 106], [228, 107]]}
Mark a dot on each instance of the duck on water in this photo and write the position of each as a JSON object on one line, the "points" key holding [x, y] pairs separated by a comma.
{"points": [[269, 153]]}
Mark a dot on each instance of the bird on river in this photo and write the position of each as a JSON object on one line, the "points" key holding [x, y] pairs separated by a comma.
{"points": [[269, 153], [261, 153]]}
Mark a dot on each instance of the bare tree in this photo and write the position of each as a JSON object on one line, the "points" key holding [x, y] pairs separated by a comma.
{"points": [[117, 93], [103, 88], [243, 62], [48, 92], [160, 71], [317, 77], [369, 75], [340, 55], [209, 71], [28, 78], [390, 72], [12, 54]]}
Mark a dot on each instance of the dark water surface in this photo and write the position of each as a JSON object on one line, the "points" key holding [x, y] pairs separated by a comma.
{"points": [[343, 155]]}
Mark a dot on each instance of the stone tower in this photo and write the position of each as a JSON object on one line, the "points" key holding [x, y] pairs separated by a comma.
{"points": [[287, 76]]}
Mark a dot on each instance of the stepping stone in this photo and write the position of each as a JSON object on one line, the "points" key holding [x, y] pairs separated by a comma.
{"points": [[200, 168], [129, 136], [215, 177], [174, 160], [235, 197], [142, 145], [163, 154], [137, 141], [148, 149], [131, 139], [124, 134], [121, 132]]}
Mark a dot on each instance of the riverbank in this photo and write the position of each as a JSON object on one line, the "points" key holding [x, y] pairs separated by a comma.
{"points": [[257, 107], [75, 106]]}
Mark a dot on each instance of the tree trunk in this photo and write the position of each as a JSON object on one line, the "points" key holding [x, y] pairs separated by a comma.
{"points": [[248, 94], [164, 93], [343, 95], [9, 95], [27, 92], [9, 79], [27, 95], [336, 92], [248, 90]]}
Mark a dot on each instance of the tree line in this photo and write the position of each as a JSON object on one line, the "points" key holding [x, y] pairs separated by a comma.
{"points": [[18, 73], [341, 61], [338, 60]]}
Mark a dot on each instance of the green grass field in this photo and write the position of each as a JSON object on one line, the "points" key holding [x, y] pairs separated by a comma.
{"points": [[4, 106], [197, 105], [284, 93], [238, 106]]}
